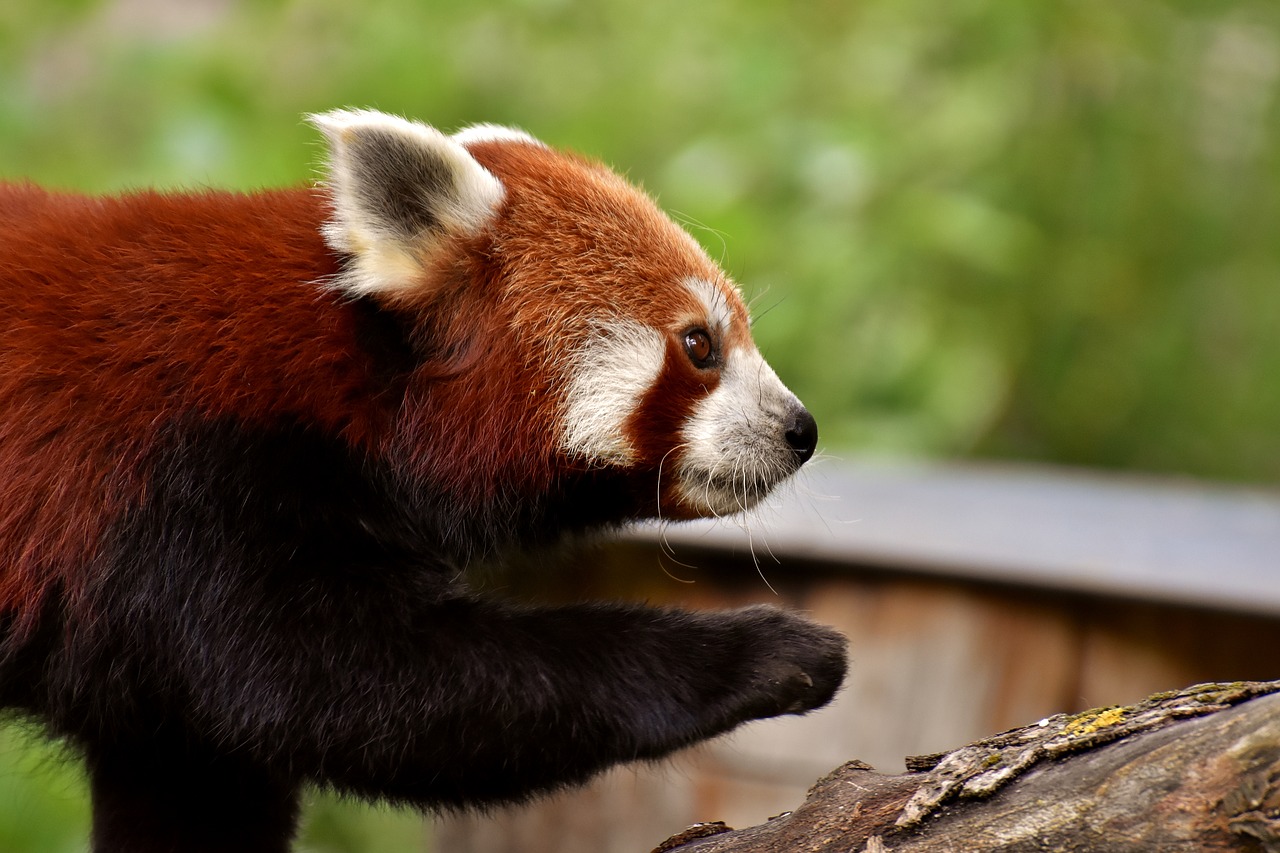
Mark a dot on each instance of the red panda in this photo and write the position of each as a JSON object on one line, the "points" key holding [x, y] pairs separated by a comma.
{"points": [[249, 443]]}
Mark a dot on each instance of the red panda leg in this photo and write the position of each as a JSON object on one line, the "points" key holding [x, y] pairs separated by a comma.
{"points": [[468, 702], [149, 798]]}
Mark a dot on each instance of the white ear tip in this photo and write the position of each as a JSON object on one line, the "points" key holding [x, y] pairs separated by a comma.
{"points": [[324, 120], [333, 122], [494, 133]]}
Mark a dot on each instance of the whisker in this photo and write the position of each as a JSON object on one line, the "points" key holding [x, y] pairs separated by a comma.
{"points": [[667, 553], [751, 542], [757, 317], [665, 548], [691, 223], [658, 496]]}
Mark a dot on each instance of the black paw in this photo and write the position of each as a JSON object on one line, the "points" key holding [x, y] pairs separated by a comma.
{"points": [[791, 665]]}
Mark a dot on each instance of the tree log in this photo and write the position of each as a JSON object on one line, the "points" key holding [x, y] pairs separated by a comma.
{"points": [[1195, 770]]}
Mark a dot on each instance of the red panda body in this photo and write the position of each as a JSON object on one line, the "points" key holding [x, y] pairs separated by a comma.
{"points": [[248, 442]]}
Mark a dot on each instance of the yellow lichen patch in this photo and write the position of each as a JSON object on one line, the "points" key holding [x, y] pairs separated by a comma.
{"points": [[1092, 721]]}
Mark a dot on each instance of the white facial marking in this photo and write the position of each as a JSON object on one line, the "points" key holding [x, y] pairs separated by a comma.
{"points": [[735, 441], [608, 377], [714, 301]]}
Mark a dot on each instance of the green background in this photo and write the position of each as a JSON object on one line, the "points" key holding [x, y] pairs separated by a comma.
{"points": [[969, 228]]}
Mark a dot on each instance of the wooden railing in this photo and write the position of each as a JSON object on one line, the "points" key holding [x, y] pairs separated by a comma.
{"points": [[1157, 539]]}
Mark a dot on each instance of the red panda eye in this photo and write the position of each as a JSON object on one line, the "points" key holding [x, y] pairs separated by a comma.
{"points": [[697, 343]]}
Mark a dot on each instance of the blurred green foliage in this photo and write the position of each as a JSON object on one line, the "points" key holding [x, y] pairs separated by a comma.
{"points": [[43, 796], [44, 807], [1030, 230]]}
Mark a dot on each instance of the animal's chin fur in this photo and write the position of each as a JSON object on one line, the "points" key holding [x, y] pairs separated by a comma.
{"points": [[717, 496]]}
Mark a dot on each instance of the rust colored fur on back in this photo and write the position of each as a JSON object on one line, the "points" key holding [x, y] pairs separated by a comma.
{"points": [[121, 315]]}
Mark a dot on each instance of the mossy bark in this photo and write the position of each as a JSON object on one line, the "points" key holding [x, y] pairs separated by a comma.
{"points": [[1194, 770]]}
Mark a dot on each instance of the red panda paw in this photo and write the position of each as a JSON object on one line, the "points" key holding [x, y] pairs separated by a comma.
{"points": [[794, 666]]}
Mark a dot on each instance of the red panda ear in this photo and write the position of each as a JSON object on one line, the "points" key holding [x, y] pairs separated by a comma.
{"points": [[400, 189]]}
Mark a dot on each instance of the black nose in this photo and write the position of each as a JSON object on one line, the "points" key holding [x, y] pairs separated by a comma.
{"points": [[802, 433]]}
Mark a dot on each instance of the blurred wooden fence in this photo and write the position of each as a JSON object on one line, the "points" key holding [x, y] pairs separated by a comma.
{"points": [[975, 599]]}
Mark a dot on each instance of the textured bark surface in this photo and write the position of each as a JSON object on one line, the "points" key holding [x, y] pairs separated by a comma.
{"points": [[1195, 770]]}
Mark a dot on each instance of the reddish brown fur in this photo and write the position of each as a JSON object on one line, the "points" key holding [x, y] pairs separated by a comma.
{"points": [[582, 242], [130, 312], [148, 308]]}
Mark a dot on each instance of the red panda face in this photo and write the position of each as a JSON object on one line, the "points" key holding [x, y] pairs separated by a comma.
{"points": [[631, 348]]}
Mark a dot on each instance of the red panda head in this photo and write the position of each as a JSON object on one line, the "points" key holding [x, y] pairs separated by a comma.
{"points": [[610, 344]]}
